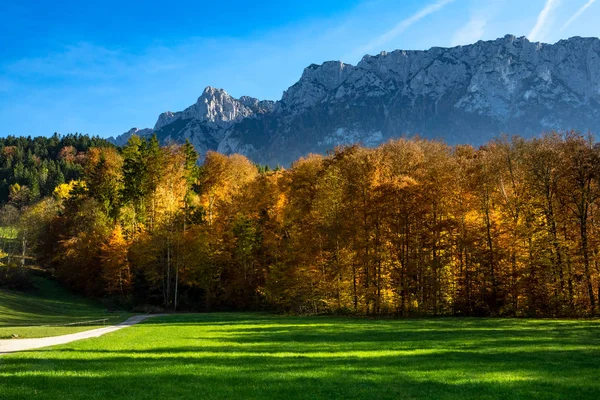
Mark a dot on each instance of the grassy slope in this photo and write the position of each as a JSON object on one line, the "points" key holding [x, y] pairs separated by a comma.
{"points": [[48, 304], [244, 356]]}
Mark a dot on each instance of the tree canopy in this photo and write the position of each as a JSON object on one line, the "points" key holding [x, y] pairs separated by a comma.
{"points": [[411, 227]]}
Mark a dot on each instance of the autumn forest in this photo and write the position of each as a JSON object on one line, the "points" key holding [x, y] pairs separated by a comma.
{"points": [[412, 227]]}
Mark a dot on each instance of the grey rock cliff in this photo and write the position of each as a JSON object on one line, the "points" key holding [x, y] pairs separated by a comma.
{"points": [[122, 139]]}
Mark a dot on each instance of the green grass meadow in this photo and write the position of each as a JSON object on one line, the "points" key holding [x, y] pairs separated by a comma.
{"points": [[33, 313], [258, 356]]}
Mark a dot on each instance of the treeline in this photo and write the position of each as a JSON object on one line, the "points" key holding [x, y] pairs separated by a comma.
{"points": [[31, 168], [412, 227]]}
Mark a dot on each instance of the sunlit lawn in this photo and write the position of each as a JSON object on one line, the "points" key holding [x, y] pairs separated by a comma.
{"points": [[241, 356], [28, 314]]}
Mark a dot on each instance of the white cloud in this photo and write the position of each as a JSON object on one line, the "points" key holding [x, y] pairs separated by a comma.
{"points": [[577, 14], [382, 40], [471, 32], [543, 19]]}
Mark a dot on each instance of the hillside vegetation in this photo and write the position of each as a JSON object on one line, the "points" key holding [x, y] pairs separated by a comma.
{"points": [[30, 168]]}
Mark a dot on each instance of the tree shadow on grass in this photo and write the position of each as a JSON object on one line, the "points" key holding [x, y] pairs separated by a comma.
{"points": [[436, 375], [398, 334], [232, 356], [454, 323]]}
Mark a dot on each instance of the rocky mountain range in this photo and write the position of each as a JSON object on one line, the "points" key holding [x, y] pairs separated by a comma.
{"points": [[464, 94]]}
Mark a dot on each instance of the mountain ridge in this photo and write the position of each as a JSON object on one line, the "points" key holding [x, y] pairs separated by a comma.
{"points": [[467, 94]]}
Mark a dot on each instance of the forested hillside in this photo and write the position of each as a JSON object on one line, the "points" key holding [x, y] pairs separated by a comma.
{"points": [[411, 227], [31, 168]]}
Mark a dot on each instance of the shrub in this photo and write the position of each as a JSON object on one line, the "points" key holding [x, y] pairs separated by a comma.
{"points": [[15, 278]]}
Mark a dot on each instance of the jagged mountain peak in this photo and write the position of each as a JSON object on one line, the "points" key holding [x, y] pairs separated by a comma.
{"points": [[215, 107], [212, 91]]}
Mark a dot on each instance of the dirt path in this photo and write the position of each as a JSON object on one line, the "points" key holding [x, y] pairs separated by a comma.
{"points": [[12, 345]]}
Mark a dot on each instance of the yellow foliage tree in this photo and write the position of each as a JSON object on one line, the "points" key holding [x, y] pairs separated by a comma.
{"points": [[116, 270]]}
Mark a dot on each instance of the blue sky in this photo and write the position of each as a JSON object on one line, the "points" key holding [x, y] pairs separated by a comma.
{"points": [[72, 66]]}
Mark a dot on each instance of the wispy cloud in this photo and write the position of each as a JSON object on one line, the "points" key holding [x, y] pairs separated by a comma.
{"points": [[471, 32], [543, 19], [577, 14], [382, 40]]}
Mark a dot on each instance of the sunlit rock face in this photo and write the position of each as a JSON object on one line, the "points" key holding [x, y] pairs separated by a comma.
{"points": [[464, 94]]}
